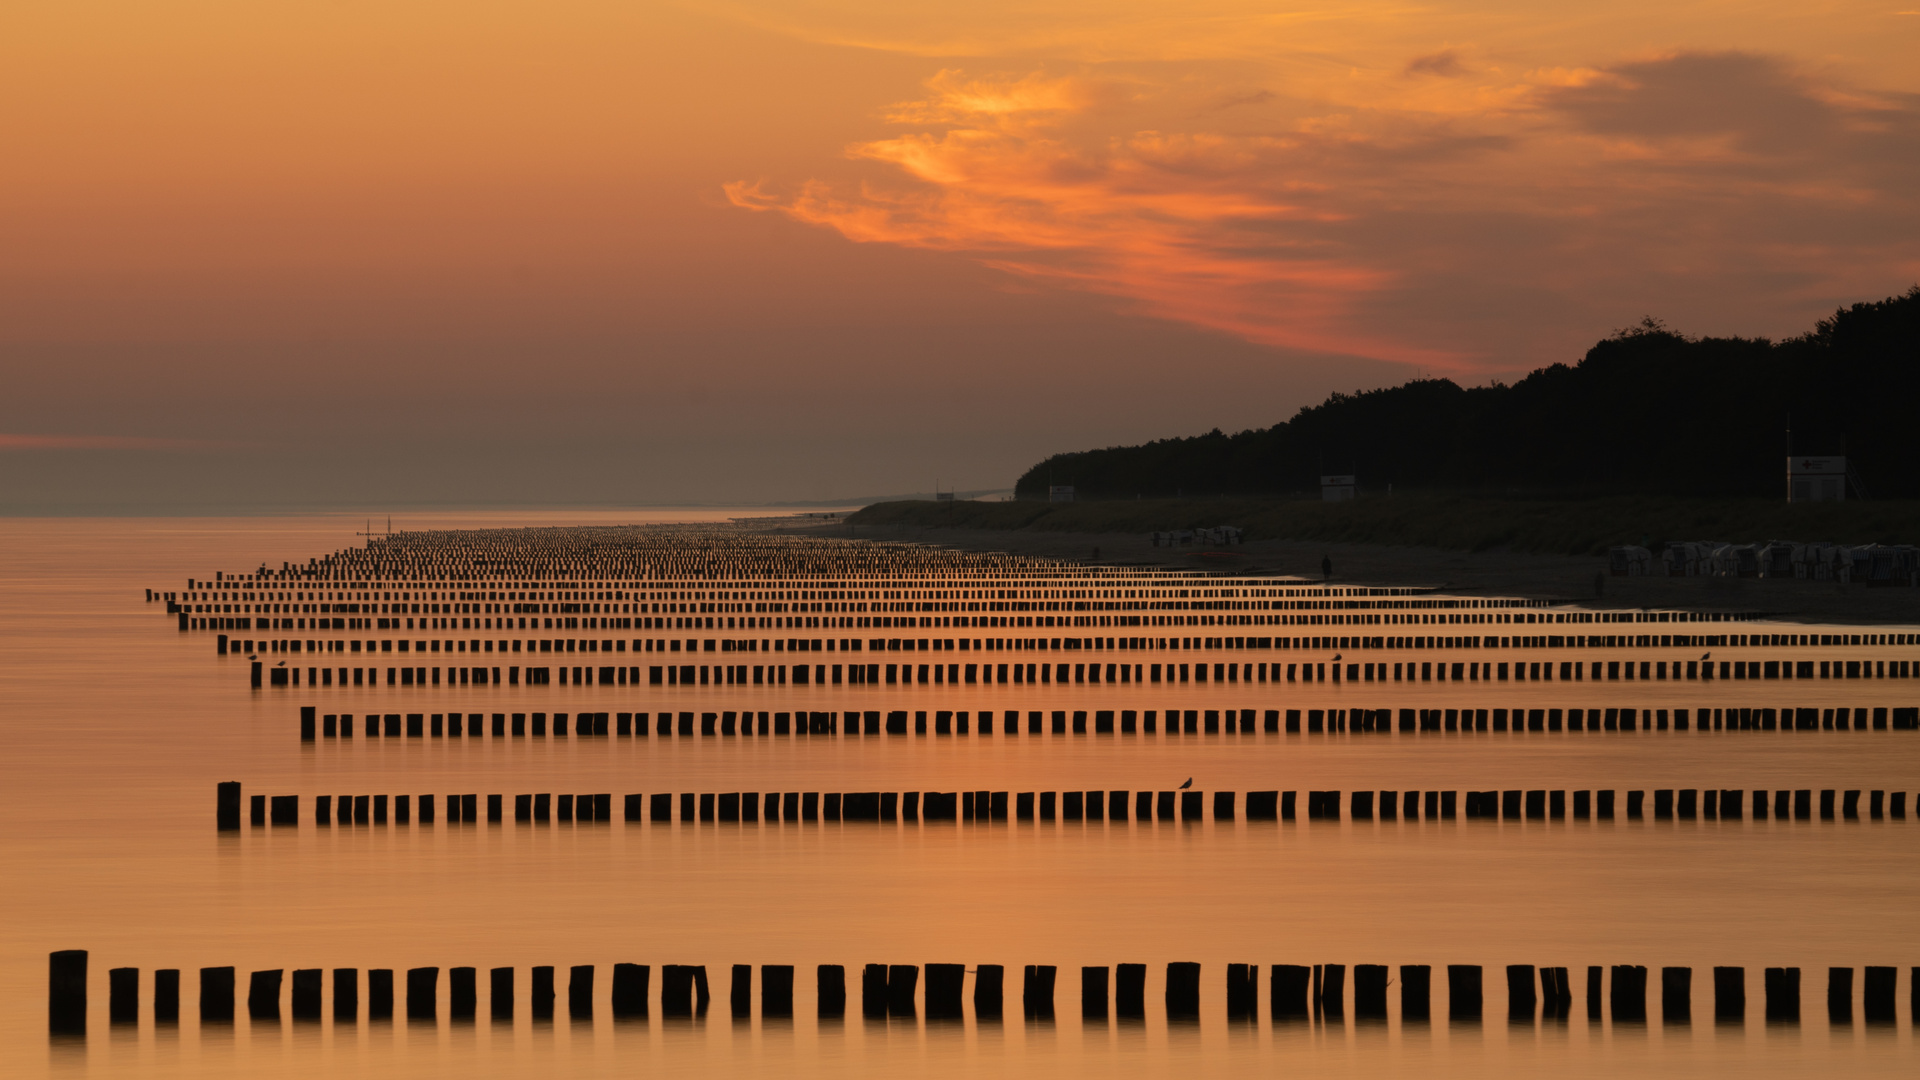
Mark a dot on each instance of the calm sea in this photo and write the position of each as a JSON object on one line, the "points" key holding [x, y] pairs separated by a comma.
{"points": [[117, 727]]}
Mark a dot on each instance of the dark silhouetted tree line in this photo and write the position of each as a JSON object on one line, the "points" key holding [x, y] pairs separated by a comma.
{"points": [[1647, 410]]}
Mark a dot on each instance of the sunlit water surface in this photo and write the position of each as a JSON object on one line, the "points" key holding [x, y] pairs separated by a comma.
{"points": [[116, 729]]}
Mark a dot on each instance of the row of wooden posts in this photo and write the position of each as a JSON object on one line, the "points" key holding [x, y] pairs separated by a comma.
{"points": [[957, 673], [894, 991], [1683, 804], [682, 668], [1525, 669], [987, 722]]}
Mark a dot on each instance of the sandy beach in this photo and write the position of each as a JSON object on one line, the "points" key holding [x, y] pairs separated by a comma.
{"points": [[1557, 578]]}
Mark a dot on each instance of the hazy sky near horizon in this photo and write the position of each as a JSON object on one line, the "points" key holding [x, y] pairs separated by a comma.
{"points": [[353, 253]]}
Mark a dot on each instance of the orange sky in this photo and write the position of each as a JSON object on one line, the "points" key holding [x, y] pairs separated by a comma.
{"points": [[363, 252]]}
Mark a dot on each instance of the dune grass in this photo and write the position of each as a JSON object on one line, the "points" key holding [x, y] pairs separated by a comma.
{"points": [[1449, 521]]}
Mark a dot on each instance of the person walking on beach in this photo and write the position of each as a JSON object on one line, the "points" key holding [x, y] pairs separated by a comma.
{"points": [[1326, 567]]}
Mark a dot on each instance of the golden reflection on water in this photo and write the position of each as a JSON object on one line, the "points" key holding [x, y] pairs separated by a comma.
{"points": [[117, 728]]}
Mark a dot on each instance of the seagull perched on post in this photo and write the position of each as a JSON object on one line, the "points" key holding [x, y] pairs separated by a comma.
{"points": [[1187, 785]]}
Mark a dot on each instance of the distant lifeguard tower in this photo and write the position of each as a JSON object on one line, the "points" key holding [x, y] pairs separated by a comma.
{"points": [[1816, 479]]}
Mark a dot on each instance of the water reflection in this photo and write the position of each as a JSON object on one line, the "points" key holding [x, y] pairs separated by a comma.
{"points": [[164, 724]]}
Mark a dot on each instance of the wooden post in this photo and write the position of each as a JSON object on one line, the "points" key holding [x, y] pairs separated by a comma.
{"points": [[1840, 995], [216, 995], [1243, 991], [67, 987], [740, 992], [423, 992], [1730, 995], [123, 995], [1627, 992], [1287, 986], [381, 994], [1463, 992], [776, 991], [346, 995], [227, 805], [1783, 994], [500, 993], [1036, 997], [1416, 993], [540, 995], [701, 995], [1333, 991], [945, 983], [1521, 1000], [1676, 995], [166, 996], [676, 990], [306, 993], [1556, 993], [580, 992], [873, 991], [902, 981], [1370, 991], [1093, 993], [989, 991], [1878, 994], [831, 990], [463, 993], [630, 990], [1183, 991], [264, 996], [1130, 991]]}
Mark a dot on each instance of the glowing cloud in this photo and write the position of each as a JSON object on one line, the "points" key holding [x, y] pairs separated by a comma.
{"points": [[1197, 228], [1358, 229]]}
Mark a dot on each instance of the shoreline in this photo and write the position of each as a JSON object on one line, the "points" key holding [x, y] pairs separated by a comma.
{"points": [[1559, 579]]}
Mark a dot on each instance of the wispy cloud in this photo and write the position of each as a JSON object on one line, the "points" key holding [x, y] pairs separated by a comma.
{"points": [[11, 441], [1361, 230], [1445, 63], [1170, 222]]}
